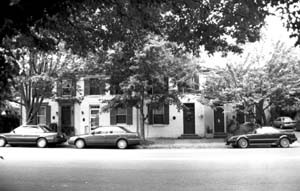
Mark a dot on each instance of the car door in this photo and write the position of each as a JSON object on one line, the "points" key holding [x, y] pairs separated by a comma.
{"points": [[32, 134], [16, 136], [113, 134], [254, 138], [96, 138]]}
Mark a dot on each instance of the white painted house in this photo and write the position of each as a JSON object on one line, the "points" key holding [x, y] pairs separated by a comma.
{"points": [[77, 109]]}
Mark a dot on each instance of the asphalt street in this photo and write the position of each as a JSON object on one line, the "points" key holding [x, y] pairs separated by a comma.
{"points": [[64, 169]]}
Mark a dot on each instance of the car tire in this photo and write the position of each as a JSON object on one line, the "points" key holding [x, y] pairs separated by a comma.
{"points": [[284, 142], [122, 144], [79, 144], [41, 143], [2, 142], [243, 143]]}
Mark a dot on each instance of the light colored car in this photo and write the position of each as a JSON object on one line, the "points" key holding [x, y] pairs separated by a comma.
{"points": [[40, 135], [284, 122], [106, 136]]}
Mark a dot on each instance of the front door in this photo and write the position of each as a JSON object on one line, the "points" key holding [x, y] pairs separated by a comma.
{"points": [[66, 123], [219, 120], [189, 118]]}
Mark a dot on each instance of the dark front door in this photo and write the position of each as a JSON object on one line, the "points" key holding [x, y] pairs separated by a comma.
{"points": [[66, 124], [189, 118], [219, 120]]}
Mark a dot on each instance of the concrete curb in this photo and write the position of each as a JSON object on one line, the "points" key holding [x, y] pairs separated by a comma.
{"points": [[182, 143]]}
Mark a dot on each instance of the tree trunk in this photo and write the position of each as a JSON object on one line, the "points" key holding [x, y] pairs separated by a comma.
{"points": [[142, 123], [260, 113]]}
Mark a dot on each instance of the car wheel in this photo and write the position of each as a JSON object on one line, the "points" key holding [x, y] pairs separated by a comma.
{"points": [[243, 143], [122, 144], [41, 143], [80, 144], [284, 142], [2, 142]]}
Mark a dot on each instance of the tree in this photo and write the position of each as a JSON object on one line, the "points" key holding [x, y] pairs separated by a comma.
{"points": [[147, 77], [39, 71], [264, 75], [89, 25]]}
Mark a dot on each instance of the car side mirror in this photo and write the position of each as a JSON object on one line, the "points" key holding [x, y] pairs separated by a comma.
{"points": [[13, 132], [93, 133]]}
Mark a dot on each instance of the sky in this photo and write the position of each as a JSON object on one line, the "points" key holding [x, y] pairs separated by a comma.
{"points": [[274, 30]]}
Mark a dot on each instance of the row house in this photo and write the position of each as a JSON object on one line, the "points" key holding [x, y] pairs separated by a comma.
{"points": [[77, 109]]}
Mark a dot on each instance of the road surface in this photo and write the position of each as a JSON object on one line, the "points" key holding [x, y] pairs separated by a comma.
{"points": [[67, 169]]}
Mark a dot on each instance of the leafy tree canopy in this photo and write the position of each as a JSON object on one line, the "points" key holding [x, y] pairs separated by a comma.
{"points": [[265, 75]]}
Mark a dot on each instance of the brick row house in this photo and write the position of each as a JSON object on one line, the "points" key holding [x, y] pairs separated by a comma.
{"points": [[77, 109]]}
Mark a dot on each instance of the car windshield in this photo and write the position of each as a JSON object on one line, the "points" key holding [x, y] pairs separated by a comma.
{"points": [[123, 128], [45, 128]]}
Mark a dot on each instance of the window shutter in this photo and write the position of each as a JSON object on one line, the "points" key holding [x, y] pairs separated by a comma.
{"points": [[129, 116], [48, 114], [102, 87], [113, 116], [166, 84], [166, 114], [150, 114], [59, 88], [196, 81], [73, 87], [86, 87]]}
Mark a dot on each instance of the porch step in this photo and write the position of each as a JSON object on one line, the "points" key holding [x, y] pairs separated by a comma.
{"points": [[220, 135], [189, 136]]}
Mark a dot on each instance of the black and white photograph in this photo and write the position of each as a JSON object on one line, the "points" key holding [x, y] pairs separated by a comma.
{"points": [[149, 95]]}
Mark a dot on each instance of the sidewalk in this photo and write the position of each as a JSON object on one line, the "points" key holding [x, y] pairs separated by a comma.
{"points": [[174, 143]]}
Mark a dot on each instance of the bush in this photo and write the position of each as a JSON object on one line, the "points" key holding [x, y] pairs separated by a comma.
{"points": [[246, 128], [8, 123]]}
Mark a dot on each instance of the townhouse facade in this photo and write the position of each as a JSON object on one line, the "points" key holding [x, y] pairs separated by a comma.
{"points": [[77, 109]]}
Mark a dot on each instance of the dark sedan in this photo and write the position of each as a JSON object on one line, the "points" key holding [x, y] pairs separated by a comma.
{"points": [[263, 135], [106, 136], [40, 135]]}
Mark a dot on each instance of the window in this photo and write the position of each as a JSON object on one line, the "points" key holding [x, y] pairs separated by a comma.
{"points": [[115, 90], [97, 87], [94, 115], [66, 87], [41, 115], [118, 130], [189, 86], [121, 115], [158, 115], [159, 87]]}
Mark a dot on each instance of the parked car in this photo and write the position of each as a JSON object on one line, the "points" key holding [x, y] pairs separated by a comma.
{"points": [[264, 135], [40, 135], [106, 136], [284, 122]]}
